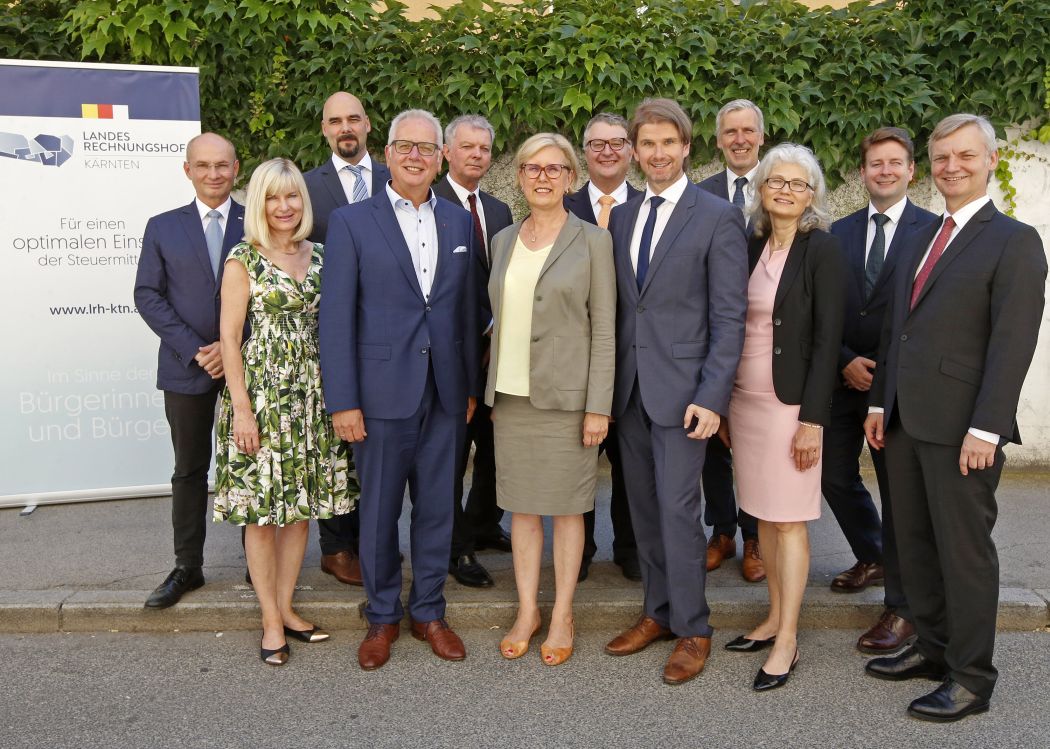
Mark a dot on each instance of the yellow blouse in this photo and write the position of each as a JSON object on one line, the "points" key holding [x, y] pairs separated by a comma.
{"points": [[515, 318]]}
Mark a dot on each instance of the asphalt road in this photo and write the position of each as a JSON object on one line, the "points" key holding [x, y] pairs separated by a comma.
{"points": [[185, 690]]}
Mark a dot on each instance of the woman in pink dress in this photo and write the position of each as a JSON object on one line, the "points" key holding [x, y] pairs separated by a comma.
{"points": [[782, 396]]}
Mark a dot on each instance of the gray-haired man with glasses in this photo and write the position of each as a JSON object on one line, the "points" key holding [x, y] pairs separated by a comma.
{"points": [[608, 151]]}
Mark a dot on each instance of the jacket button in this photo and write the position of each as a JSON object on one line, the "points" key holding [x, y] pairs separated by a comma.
{"points": [[777, 322], [535, 339], [904, 337], [423, 350], [427, 308], [539, 298], [776, 350], [641, 309], [863, 313]]}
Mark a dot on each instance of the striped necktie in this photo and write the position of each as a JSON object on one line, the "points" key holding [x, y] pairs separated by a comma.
{"points": [[360, 191]]}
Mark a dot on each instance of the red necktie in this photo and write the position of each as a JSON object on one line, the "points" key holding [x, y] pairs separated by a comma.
{"points": [[479, 233], [931, 260]]}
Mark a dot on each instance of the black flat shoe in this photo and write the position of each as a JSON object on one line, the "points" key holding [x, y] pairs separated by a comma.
{"points": [[585, 568], [315, 634], [275, 657], [744, 645], [764, 682]]}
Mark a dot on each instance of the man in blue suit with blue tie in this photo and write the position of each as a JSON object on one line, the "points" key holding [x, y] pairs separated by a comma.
{"points": [[177, 294], [399, 357], [681, 279]]}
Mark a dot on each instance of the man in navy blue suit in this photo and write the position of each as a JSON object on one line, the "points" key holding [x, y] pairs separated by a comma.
{"points": [[347, 177], [681, 280], [177, 294], [401, 371], [871, 240]]}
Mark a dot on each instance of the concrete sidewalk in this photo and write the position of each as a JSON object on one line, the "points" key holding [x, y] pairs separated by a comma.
{"points": [[89, 567]]}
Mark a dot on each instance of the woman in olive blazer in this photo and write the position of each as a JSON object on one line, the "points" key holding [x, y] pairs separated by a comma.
{"points": [[552, 290]]}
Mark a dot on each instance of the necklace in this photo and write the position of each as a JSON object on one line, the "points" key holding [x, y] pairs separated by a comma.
{"points": [[532, 230], [775, 246]]}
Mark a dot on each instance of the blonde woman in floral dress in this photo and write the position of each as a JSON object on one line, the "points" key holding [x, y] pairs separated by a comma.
{"points": [[279, 463]]}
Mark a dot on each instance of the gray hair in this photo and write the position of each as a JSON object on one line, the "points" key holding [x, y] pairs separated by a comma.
{"points": [[954, 122], [735, 106], [471, 120], [816, 215], [609, 119], [416, 114]]}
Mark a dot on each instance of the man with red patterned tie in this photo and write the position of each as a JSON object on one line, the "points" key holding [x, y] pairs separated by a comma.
{"points": [[955, 350]]}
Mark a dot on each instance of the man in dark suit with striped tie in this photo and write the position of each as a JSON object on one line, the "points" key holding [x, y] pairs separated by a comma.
{"points": [[348, 177]]}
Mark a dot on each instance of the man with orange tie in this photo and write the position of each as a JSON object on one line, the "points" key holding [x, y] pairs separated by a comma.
{"points": [[955, 350], [608, 152]]}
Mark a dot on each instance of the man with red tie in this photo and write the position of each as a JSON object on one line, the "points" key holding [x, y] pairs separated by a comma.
{"points": [[955, 350]]}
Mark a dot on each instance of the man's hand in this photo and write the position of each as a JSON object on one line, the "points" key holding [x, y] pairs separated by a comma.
{"points": [[857, 373], [210, 359], [595, 429], [706, 422], [976, 453], [873, 431], [472, 403], [350, 425]]}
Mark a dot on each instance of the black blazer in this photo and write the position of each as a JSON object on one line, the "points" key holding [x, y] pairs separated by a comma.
{"points": [[498, 217], [863, 322], [958, 359], [326, 193], [579, 202], [807, 322]]}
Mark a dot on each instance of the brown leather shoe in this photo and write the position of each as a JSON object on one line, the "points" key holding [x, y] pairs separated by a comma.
{"points": [[857, 578], [443, 641], [752, 568], [890, 634], [688, 659], [645, 632], [374, 650], [720, 548], [344, 566]]}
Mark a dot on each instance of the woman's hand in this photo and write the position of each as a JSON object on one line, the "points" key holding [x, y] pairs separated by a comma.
{"points": [[805, 448], [245, 431], [595, 427]]}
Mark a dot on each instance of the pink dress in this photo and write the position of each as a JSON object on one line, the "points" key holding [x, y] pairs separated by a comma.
{"points": [[762, 428]]}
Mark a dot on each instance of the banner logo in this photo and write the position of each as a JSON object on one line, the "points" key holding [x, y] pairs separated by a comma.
{"points": [[104, 111], [49, 150]]}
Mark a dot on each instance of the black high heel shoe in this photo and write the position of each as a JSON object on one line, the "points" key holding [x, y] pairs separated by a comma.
{"points": [[764, 682], [275, 657], [314, 634], [744, 645]]}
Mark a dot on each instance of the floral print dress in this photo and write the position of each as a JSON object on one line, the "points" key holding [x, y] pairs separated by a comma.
{"points": [[302, 469]]}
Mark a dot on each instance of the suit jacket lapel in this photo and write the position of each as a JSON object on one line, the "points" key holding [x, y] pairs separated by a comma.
{"points": [[909, 269], [968, 233], [334, 185], [679, 218], [857, 246], [445, 244], [191, 223], [569, 231], [581, 201], [390, 230], [795, 258], [622, 247], [904, 230]]}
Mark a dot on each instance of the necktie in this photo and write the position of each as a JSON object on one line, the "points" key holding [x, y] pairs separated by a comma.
{"points": [[606, 202], [360, 191], [931, 260], [479, 233], [213, 236], [738, 196], [646, 244], [877, 253]]}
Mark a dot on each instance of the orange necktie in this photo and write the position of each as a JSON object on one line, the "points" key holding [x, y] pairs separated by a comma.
{"points": [[606, 202]]}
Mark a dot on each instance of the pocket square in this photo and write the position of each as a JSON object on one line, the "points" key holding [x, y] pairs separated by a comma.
{"points": [[461, 248]]}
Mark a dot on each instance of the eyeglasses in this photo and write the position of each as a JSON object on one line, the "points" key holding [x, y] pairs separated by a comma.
{"points": [[405, 147], [598, 144], [553, 171], [795, 185]]}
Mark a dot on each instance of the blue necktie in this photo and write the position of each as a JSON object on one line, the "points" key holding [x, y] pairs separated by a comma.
{"points": [[646, 244], [360, 191], [738, 196], [877, 253], [213, 236]]}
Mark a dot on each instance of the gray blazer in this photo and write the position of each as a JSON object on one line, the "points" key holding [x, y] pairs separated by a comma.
{"points": [[573, 348]]}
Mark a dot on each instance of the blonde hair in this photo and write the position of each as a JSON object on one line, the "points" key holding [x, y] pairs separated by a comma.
{"points": [[538, 142], [270, 178]]}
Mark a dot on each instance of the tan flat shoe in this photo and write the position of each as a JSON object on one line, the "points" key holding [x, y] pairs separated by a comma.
{"points": [[557, 656]]}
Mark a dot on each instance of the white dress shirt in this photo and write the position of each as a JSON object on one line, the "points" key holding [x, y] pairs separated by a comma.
{"points": [[347, 178], [893, 213], [419, 228], [749, 189], [671, 196], [224, 209], [593, 194], [463, 194]]}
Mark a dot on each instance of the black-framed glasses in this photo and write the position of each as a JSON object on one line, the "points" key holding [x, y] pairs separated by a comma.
{"points": [[405, 147], [553, 171], [598, 144], [795, 185]]}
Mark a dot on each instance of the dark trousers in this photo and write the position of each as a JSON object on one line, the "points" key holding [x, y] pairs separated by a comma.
{"points": [[720, 511], [949, 564], [872, 541], [662, 470], [339, 533], [624, 545], [422, 451], [191, 419], [481, 516]]}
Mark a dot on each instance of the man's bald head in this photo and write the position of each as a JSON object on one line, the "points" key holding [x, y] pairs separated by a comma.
{"points": [[346, 126], [212, 166]]}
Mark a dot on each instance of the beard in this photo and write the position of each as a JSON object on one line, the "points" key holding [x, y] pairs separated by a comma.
{"points": [[348, 148]]}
